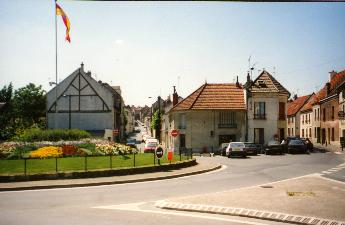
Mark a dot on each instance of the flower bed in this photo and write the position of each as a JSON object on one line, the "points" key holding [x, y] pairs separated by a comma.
{"points": [[47, 152], [71, 150]]}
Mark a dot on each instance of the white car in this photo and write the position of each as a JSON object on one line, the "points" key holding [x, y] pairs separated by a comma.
{"points": [[236, 149], [150, 145]]}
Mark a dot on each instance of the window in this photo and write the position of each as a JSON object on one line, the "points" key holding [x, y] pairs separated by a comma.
{"points": [[324, 115], [314, 132], [315, 114], [309, 117], [227, 119], [259, 135], [318, 114], [303, 119], [292, 134], [310, 132], [182, 124], [306, 132], [302, 132], [332, 133], [281, 110], [288, 131], [332, 112], [259, 110]]}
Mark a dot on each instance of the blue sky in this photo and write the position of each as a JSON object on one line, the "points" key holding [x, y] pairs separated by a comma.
{"points": [[147, 47]]}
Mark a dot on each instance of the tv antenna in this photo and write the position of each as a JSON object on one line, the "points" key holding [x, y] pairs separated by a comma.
{"points": [[251, 67]]}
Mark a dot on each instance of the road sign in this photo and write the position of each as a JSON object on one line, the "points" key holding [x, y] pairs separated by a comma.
{"points": [[115, 132], [174, 133], [159, 152]]}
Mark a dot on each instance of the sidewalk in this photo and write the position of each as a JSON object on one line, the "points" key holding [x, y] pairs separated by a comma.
{"points": [[202, 167], [307, 200], [330, 148]]}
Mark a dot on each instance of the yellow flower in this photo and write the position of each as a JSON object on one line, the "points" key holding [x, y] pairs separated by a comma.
{"points": [[47, 152]]}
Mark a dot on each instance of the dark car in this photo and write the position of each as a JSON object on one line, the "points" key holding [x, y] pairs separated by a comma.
{"points": [[296, 146], [308, 143], [251, 148], [273, 147], [131, 143], [286, 141], [222, 149]]}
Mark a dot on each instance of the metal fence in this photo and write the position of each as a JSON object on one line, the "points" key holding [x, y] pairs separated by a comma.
{"points": [[84, 163]]}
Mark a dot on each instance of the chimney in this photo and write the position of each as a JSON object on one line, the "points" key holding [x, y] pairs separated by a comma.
{"points": [[88, 73], [331, 75], [248, 78], [237, 84], [295, 97], [175, 97], [82, 66], [328, 88]]}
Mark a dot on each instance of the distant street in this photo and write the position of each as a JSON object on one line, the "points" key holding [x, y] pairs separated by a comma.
{"points": [[79, 205]]}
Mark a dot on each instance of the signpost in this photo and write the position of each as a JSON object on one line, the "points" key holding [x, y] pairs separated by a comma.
{"points": [[174, 133], [341, 114], [116, 132], [159, 154]]}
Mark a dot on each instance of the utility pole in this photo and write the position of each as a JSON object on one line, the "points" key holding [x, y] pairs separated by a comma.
{"points": [[159, 120]]}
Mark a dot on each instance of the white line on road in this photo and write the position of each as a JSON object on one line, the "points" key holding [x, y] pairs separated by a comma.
{"points": [[135, 207]]}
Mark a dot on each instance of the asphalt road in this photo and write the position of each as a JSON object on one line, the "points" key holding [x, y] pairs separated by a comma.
{"points": [[109, 204], [134, 203]]}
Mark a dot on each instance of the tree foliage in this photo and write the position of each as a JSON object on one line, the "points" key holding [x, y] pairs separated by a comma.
{"points": [[24, 108]]}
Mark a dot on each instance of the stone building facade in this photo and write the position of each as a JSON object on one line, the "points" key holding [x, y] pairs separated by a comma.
{"points": [[211, 115], [266, 109]]}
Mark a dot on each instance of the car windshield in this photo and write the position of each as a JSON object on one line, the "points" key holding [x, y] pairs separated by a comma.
{"points": [[224, 145], [296, 142], [273, 143], [152, 144], [237, 145], [250, 145]]}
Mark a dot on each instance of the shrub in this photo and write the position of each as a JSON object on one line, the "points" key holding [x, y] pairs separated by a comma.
{"points": [[36, 134], [46, 152]]}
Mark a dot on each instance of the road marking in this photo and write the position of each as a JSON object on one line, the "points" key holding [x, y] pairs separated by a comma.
{"points": [[135, 207], [329, 179], [326, 172]]}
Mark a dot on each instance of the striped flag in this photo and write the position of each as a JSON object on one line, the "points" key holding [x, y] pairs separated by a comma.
{"points": [[60, 12]]}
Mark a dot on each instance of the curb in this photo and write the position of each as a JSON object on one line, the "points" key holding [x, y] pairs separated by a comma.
{"points": [[258, 214], [111, 182]]}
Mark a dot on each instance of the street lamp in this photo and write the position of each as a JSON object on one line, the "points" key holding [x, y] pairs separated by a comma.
{"points": [[69, 110], [151, 108]]}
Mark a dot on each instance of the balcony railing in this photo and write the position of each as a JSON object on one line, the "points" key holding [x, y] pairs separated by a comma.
{"points": [[260, 116], [227, 125]]}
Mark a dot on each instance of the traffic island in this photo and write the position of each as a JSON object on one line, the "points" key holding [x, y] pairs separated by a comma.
{"points": [[180, 169]]}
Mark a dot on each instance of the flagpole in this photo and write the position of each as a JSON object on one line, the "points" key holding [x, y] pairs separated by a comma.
{"points": [[56, 69]]}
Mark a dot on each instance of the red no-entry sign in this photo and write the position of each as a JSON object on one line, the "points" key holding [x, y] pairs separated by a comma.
{"points": [[174, 133]]}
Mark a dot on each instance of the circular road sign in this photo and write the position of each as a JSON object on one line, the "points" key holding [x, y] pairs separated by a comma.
{"points": [[159, 152], [174, 133]]}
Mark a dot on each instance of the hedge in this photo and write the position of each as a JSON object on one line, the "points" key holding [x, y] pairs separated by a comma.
{"points": [[31, 135]]}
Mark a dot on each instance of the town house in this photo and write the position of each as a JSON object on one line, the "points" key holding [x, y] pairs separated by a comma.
{"points": [[211, 115], [294, 115], [79, 101], [266, 109]]}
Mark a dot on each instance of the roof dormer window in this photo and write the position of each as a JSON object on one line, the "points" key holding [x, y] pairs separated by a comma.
{"points": [[262, 83]]}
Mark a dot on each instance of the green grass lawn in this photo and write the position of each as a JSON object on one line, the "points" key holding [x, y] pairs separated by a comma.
{"points": [[34, 166]]}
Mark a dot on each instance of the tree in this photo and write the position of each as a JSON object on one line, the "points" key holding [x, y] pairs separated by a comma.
{"points": [[6, 113], [156, 123], [29, 104]]}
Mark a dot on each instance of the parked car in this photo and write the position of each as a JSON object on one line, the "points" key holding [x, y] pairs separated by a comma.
{"points": [[132, 143], [150, 145], [296, 146], [286, 141], [236, 149], [251, 148], [222, 149], [273, 147], [308, 143]]}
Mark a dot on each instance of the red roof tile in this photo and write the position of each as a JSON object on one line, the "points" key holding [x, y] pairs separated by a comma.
{"points": [[336, 81], [294, 106], [214, 96], [309, 104]]}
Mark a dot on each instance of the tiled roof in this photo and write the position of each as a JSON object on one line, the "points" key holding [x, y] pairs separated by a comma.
{"points": [[265, 82], [309, 105], [336, 81], [294, 106], [214, 96]]}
